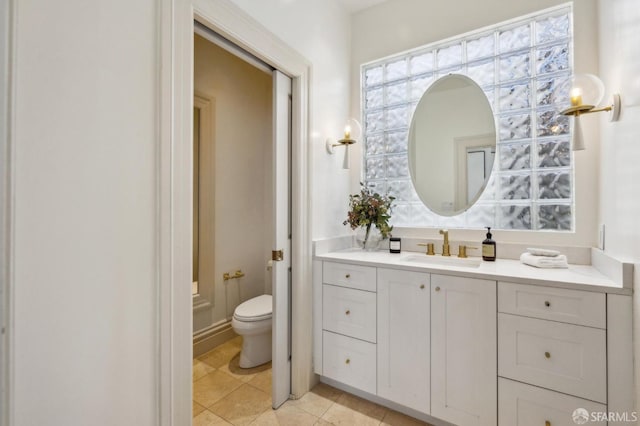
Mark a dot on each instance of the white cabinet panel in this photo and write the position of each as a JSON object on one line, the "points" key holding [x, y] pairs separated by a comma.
{"points": [[349, 312], [404, 338], [351, 276], [557, 304], [563, 357], [463, 350], [525, 405], [350, 361]]}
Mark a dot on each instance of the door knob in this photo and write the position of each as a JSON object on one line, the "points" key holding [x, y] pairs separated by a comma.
{"points": [[437, 288], [347, 312]]}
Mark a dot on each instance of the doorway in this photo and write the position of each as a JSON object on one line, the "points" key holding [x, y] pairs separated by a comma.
{"points": [[175, 296], [241, 212]]}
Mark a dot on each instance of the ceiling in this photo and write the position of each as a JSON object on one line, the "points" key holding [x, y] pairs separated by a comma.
{"points": [[354, 6]]}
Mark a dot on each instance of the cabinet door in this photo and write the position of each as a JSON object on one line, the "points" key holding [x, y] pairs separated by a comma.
{"points": [[403, 338], [463, 350]]}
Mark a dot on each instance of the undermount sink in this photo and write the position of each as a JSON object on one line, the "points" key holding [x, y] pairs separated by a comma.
{"points": [[445, 261]]}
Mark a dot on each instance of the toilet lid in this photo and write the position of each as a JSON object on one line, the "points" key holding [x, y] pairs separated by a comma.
{"points": [[256, 309]]}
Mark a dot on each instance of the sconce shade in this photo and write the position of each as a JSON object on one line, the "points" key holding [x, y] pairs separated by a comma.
{"points": [[588, 87]]}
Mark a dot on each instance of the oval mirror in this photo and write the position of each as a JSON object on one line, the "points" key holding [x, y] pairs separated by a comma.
{"points": [[452, 144]]}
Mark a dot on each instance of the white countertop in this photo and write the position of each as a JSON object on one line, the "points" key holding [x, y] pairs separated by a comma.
{"points": [[580, 277]]}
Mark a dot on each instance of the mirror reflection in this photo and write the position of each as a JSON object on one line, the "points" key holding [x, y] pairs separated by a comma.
{"points": [[452, 144]]}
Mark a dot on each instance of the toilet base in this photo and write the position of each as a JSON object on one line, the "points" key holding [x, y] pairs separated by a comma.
{"points": [[256, 350]]}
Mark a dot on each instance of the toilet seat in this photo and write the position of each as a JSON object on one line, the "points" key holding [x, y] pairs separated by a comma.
{"points": [[257, 309]]}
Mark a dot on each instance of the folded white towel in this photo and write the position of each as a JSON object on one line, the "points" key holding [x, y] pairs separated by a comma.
{"points": [[559, 261], [543, 252]]}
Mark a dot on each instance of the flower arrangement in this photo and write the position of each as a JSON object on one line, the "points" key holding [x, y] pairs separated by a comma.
{"points": [[370, 208]]}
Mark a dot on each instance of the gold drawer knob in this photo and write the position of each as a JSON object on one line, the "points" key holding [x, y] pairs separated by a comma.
{"points": [[348, 361], [547, 355], [347, 312], [437, 288], [421, 286], [547, 423], [547, 303], [348, 276]]}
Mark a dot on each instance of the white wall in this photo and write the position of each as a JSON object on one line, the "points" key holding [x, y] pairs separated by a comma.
{"points": [[85, 270], [242, 133], [319, 30], [87, 144], [399, 25], [619, 24]]}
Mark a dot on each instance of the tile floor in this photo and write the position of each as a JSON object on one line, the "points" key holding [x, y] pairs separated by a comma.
{"points": [[225, 394]]}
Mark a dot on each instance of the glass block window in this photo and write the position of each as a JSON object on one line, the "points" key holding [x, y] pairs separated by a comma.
{"points": [[524, 67]]}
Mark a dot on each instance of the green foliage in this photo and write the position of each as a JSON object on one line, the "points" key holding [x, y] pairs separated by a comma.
{"points": [[370, 208]]}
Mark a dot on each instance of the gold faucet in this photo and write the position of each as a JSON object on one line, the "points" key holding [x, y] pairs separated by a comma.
{"points": [[430, 250], [445, 245]]}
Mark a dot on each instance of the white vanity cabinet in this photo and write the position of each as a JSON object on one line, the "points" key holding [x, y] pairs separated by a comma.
{"points": [[463, 350], [467, 347], [349, 324], [404, 338], [552, 353]]}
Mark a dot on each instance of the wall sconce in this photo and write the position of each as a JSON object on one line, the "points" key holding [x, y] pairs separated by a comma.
{"points": [[352, 131], [585, 94]]}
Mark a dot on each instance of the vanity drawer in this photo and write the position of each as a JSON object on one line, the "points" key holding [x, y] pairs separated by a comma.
{"points": [[349, 312], [525, 405], [556, 304], [349, 361], [563, 357], [351, 276]]}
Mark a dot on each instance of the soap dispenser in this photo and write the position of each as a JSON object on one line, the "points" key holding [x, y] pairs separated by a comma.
{"points": [[489, 247]]}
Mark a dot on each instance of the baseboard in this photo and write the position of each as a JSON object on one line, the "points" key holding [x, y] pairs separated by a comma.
{"points": [[211, 337]]}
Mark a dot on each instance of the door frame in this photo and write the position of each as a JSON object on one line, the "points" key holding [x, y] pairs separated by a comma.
{"points": [[7, 107], [175, 338]]}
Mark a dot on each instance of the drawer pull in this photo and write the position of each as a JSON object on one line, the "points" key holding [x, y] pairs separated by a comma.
{"points": [[437, 288], [421, 286], [347, 312], [547, 303], [348, 361], [547, 355], [547, 423], [348, 276]]}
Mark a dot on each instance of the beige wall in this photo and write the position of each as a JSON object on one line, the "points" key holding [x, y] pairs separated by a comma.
{"points": [[620, 152], [242, 133], [399, 25]]}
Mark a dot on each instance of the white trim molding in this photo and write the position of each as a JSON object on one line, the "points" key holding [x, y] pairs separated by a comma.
{"points": [[175, 300], [7, 97]]}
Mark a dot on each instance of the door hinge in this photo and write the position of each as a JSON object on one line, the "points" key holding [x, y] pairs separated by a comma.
{"points": [[277, 255]]}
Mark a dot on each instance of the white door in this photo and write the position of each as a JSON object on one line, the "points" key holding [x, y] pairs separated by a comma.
{"points": [[281, 278], [464, 350], [404, 338]]}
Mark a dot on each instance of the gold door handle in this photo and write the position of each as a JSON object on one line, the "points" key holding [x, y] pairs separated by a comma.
{"points": [[348, 312], [547, 423], [547, 355], [348, 361], [437, 288]]}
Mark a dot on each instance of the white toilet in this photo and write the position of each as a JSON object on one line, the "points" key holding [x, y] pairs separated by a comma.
{"points": [[252, 321]]}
